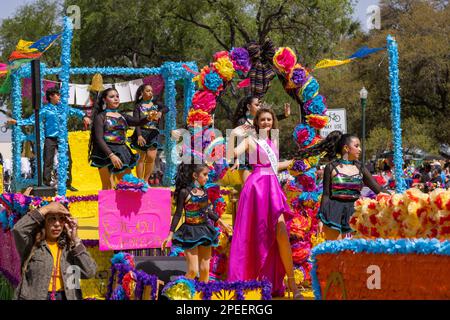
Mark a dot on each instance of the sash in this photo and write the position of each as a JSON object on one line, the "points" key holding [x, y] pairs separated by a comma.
{"points": [[271, 155]]}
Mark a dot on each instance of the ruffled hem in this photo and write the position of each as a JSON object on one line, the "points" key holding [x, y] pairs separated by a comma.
{"points": [[151, 138], [333, 225], [191, 236]]}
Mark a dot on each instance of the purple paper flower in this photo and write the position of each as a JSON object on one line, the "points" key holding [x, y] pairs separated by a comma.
{"points": [[299, 76], [299, 166], [241, 59]]}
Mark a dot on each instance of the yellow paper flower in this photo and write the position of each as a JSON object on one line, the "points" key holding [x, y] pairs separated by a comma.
{"points": [[179, 291], [198, 79], [317, 239], [224, 68]]}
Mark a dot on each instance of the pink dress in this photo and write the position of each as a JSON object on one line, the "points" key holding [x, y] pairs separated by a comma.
{"points": [[254, 250]]}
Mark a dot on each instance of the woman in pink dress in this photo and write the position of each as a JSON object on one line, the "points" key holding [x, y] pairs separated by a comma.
{"points": [[260, 247]]}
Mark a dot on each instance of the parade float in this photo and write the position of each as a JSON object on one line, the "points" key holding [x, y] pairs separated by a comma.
{"points": [[385, 227]]}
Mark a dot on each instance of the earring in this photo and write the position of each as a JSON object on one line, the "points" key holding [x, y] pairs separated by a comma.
{"points": [[197, 184]]}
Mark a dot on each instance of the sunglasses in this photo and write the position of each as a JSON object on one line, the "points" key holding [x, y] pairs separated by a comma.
{"points": [[52, 219]]}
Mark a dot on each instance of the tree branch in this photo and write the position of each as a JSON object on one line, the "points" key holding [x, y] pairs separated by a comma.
{"points": [[258, 16], [268, 21], [204, 26], [226, 107]]}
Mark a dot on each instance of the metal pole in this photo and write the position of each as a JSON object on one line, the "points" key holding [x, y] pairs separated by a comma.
{"points": [[363, 135], [36, 103]]}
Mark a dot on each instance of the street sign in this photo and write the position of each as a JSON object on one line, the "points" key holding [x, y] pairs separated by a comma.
{"points": [[338, 121]]}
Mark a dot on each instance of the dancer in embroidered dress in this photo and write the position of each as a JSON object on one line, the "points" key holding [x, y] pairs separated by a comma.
{"points": [[107, 149], [343, 180], [196, 235], [145, 138]]}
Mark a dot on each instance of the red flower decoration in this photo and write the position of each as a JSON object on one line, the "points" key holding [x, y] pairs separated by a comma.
{"points": [[204, 100], [220, 54]]}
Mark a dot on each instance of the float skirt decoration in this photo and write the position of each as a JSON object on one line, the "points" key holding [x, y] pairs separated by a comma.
{"points": [[188, 289], [404, 269]]}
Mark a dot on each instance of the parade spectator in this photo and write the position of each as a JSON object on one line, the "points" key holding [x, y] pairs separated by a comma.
{"points": [[425, 173], [51, 252]]}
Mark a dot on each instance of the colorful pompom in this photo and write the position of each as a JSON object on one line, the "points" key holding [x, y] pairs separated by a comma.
{"points": [[284, 60], [316, 121]]}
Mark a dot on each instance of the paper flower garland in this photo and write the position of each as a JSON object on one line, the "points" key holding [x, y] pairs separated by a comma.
{"points": [[130, 282], [185, 289]]}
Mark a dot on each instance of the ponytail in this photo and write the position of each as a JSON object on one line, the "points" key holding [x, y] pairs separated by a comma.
{"points": [[332, 146]]}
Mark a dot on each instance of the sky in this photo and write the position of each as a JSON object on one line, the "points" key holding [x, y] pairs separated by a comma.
{"points": [[9, 7]]}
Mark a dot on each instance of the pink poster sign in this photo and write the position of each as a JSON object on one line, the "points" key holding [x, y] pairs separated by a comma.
{"points": [[133, 220]]}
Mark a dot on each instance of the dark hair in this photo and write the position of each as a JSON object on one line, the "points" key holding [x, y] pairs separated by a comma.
{"points": [[62, 240], [242, 108], [98, 109], [184, 178], [139, 93], [50, 92], [332, 145], [259, 113]]}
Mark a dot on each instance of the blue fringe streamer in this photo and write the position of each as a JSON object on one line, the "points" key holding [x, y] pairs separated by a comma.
{"points": [[400, 184]]}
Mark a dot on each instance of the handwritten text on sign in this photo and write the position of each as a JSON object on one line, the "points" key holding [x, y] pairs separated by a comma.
{"points": [[338, 121], [132, 220]]}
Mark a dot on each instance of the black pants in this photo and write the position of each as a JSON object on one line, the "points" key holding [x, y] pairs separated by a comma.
{"points": [[50, 147]]}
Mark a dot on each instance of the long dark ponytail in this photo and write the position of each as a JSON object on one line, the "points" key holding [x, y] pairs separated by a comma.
{"points": [[184, 176], [332, 145], [140, 93], [242, 109], [98, 109]]}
